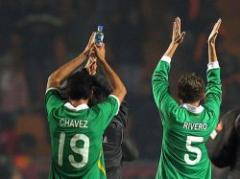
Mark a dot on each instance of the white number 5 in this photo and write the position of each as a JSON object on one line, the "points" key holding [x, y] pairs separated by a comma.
{"points": [[192, 149]]}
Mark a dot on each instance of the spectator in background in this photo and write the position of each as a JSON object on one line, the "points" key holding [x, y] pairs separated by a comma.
{"points": [[12, 78], [5, 166], [127, 33], [8, 136], [43, 47], [231, 77]]}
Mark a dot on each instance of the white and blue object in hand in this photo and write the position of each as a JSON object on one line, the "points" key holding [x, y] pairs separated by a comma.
{"points": [[99, 36]]}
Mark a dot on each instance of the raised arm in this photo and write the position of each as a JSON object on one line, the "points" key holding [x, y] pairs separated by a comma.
{"points": [[118, 88], [213, 91], [177, 38], [160, 82], [58, 76], [212, 55]]}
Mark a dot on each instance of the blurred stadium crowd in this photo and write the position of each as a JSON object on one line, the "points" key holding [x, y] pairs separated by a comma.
{"points": [[36, 36]]}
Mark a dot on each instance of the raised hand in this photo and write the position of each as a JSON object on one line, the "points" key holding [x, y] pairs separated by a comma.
{"points": [[177, 34], [90, 43], [91, 66], [100, 52], [177, 38], [214, 33]]}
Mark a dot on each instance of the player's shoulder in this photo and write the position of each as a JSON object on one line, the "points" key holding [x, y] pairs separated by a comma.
{"points": [[109, 102], [52, 90], [210, 112], [53, 94], [180, 112]]}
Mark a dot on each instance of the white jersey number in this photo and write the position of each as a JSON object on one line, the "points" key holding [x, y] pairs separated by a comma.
{"points": [[192, 149], [84, 151]]}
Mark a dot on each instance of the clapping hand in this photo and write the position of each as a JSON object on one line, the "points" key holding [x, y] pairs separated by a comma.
{"points": [[177, 34], [214, 33]]}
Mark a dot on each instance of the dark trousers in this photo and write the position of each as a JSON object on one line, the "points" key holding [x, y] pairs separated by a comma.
{"points": [[114, 173], [234, 174]]}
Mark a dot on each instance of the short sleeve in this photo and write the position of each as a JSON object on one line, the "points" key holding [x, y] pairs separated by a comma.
{"points": [[106, 110], [52, 99]]}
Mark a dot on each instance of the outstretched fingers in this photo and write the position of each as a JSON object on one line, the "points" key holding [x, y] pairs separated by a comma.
{"points": [[214, 32], [178, 24], [178, 35], [92, 39], [182, 36], [218, 24]]}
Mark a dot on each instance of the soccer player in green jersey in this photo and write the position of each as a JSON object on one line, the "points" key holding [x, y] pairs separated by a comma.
{"points": [[75, 129], [187, 126]]}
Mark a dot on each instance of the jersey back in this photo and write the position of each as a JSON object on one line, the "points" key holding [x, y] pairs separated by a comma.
{"points": [[76, 136], [184, 154]]}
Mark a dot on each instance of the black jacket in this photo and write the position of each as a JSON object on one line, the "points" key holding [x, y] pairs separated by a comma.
{"points": [[113, 138], [224, 150], [114, 142]]}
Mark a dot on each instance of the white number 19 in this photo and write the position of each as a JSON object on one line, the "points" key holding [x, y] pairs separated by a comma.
{"points": [[84, 151], [192, 149]]}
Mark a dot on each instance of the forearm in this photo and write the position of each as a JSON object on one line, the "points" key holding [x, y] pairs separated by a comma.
{"points": [[171, 50], [213, 77], [212, 55], [58, 76], [118, 87]]}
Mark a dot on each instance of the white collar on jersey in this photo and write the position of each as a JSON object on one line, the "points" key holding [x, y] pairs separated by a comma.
{"points": [[78, 108], [193, 109]]}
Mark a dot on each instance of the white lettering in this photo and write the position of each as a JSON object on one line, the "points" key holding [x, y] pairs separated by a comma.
{"points": [[195, 126], [73, 123]]}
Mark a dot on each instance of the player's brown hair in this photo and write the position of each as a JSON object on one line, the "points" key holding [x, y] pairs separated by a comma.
{"points": [[191, 88]]}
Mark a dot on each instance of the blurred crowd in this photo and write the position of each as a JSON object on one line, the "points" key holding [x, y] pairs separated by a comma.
{"points": [[36, 36]]}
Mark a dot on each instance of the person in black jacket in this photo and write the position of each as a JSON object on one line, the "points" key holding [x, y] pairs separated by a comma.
{"points": [[116, 147], [224, 145]]}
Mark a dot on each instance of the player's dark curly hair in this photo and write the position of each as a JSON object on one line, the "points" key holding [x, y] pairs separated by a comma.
{"points": [[191, 88], [79, 85]]}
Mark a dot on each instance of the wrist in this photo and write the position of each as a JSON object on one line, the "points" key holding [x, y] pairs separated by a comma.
{"points": [[84, 54], [166, 58], [174, 44], [102, 60], [211, 44]]}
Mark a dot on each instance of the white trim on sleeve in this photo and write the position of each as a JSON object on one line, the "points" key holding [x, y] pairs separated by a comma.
{"points": [[213, 65], [166, 59], [52, 88], [214, 134], [118, 102]]}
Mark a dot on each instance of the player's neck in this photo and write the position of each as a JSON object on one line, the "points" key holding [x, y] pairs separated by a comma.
{"points": [[76, 103], [195, 104]]}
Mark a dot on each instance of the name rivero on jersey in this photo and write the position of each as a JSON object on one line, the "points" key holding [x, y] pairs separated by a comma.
{"points": [[195, 126]]}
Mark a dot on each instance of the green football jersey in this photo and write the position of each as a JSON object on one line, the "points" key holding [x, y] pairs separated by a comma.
{"points": [[186, 128], [76, 136]]}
